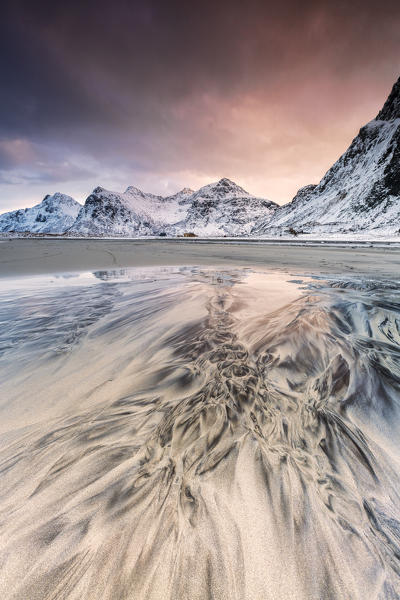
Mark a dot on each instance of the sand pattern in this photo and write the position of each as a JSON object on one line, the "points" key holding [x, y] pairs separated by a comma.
{"points": [[225, 434]]}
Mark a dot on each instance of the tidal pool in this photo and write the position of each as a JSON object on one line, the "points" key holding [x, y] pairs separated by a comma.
{"points": [[190, 433]]}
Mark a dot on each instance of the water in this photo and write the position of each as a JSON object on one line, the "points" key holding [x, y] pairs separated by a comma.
{"points": [[199, 433]]}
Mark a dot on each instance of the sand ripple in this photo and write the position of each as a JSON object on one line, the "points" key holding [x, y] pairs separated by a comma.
{"points": [[211, 442]]}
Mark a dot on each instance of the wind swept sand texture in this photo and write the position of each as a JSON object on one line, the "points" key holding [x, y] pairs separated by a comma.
{"points": [[196, 433], [29, 256]]}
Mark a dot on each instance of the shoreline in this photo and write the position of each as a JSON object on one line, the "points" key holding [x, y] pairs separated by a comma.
{"points": [[292, 241], [35, 256]]}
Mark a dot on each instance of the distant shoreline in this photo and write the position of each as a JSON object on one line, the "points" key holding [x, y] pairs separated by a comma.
{"points": [[34, 256], [292, 241]]}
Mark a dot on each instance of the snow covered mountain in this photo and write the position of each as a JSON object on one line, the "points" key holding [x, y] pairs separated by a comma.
{"points": [[360, 192], [131, 213], [55, 214], [221, 208]]}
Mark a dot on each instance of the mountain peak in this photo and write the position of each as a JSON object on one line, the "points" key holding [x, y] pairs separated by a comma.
{"points": [[98, 190], [225, 182], [131, 189], [391, 108], [58, 198], [224, 187], [56, 213]]}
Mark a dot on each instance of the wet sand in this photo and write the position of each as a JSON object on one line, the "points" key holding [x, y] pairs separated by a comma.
{"points": [[29, 256], [195, 431]]}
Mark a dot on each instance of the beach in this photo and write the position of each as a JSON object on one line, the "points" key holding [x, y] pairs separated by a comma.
{"points": [[197, 420], [35, 256]]}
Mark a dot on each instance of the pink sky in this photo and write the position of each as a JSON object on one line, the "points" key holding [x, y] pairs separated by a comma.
{"points": [[165, 95]]}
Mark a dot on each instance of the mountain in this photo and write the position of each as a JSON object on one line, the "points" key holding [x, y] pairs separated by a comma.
{"points": [[160, 210], [221, 208], [360, 192], [131, 213], [55, 214], [108, 213]]}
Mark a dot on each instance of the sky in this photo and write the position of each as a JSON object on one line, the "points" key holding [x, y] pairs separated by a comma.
{"points": [[166, 94]]}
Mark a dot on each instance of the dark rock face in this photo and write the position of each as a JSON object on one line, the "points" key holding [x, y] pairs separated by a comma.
{"points": [[105, 213], [391, 108], [384, 190], [303, 195], [392, 169]]}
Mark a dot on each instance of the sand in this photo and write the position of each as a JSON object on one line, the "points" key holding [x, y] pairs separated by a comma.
{"points": [[198, 432], [30, 256]]}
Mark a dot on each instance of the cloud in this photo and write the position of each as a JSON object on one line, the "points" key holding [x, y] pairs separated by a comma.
{"points": [[22, 161], [151, 91]]}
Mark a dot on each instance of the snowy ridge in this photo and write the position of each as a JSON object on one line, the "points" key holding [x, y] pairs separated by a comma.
{"points": [[359, 193], [131, 213], [217, 209], [55, 214], [158, 209], [221, 208]]}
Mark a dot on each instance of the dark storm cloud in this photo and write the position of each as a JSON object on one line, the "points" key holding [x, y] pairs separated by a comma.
{"points": [[24, 162], [226, 88]]}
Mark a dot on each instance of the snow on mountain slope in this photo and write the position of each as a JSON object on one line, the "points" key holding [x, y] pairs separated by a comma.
{"points": [[223, 208], [131, 213], [361, 191], [159, 210], [55, 214], [109, 213]]}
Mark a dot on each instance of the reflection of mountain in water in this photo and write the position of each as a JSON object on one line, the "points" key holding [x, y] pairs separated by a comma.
{"points": [[245, 458]]}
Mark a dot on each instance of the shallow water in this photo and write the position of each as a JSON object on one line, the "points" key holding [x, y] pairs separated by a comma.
{"points": [[199, 433]]}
